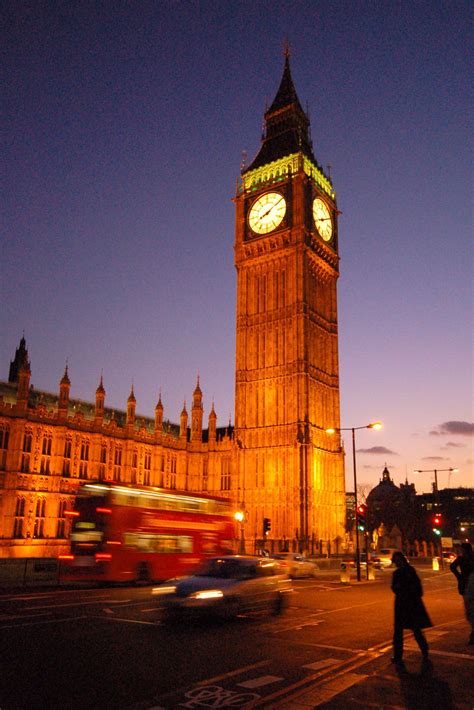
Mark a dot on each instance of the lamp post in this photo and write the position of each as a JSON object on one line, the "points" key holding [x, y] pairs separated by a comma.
{"points": [[372, 425], [436, 471], [241, 514]]}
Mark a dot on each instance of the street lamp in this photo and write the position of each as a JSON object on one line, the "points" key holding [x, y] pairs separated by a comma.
{"points": [[240, 517], [436, 471], [373, 425]]}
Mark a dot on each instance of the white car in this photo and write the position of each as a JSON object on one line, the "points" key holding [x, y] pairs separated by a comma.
{"points": [[226, 586], [296, 565]]}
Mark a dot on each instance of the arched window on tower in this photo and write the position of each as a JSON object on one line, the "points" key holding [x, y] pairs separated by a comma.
{"points": [[225, 473], [4, 437]]}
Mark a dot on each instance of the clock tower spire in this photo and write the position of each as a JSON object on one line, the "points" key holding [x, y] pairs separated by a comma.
{"points": [[287, 373]]}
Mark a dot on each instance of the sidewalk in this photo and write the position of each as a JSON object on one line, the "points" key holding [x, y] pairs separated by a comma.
{"points": [[372, 681]]}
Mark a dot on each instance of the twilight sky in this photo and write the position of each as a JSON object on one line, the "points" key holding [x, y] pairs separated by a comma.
{"points": [[125, 126]]}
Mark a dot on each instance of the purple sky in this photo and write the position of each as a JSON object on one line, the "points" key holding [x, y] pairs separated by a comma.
{"points": [[126, 123]]}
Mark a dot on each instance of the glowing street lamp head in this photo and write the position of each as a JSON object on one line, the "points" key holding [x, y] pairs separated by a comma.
{"points": [[375, 425], [330, 431], [239, 516]]}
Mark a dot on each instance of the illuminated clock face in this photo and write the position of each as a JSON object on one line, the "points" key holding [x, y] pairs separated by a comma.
{"points": [[322, 219], [267, 212]]}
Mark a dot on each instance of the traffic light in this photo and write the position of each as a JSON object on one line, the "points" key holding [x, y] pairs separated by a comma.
{"points": [[267, 526], [437, 522], [361, 514]]}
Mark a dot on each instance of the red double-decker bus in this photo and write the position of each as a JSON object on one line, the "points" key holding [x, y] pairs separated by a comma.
{"points": [[129, 534]]}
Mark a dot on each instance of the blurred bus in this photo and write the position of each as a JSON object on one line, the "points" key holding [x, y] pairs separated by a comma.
{"points": [[130, 534]]}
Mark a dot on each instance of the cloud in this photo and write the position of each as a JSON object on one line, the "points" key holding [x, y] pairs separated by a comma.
{"points": [[453, 445], [454, 427], [377, 450], [434, 458]]}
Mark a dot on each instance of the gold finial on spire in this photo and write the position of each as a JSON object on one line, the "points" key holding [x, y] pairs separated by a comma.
{"points": [[286, 50]]}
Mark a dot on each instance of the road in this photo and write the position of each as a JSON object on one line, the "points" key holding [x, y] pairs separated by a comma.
{"points": [[108, 648]]}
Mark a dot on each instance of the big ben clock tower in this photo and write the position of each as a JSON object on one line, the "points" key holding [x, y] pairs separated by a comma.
{"points": [[287, 373]]}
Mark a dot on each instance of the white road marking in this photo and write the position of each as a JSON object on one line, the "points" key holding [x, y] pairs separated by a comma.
{"points": [[324, 663], [43, 621], [128, 621], [260, 682]]}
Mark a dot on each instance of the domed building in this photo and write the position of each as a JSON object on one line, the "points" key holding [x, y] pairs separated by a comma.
{"points": [[390, 511]]}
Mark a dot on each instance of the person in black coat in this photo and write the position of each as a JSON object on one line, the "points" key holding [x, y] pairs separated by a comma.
{"points": [[410, 612], [463, 570]]}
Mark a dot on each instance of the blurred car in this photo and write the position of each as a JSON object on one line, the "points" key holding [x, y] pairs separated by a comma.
{"points": [[226, 586], [295, 565], [449, 556], [351, 562], [384, 556]]}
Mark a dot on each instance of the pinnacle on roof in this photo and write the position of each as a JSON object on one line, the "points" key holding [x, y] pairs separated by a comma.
{"points": [[286, 94], [198, 388], [65, 379], [100, 389], [131, 397], [286, 125]]}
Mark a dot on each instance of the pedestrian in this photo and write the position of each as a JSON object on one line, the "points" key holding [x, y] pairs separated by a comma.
{"points": [[410, 612], [463, 570]]}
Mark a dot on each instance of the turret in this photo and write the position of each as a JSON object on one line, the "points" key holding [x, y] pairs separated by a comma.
{"points": [[64, 389], [23, 390], [20, 360], [99, 400], [131, 407], [159, 415], [196, 414], [212, 424], [183, 422]]}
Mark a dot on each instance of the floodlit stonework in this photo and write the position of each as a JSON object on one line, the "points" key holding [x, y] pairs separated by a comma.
{"points": [[277, 462]]}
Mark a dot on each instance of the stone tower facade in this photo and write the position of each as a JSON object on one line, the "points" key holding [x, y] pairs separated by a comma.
{"points": [[290, 470]]}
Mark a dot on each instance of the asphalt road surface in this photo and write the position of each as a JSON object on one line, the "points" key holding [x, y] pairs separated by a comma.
{"points": [[109, 648]]}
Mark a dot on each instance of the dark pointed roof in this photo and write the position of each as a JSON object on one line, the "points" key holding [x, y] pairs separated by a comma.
{"points": [[65, 378], [20, 361], [286, 126], [286, 93]]}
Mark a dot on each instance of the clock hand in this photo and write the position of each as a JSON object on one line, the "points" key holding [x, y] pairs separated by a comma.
{"points": [[271, 208]]}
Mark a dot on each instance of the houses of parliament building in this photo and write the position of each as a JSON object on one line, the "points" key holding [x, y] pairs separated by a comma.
{"points": [[277, 462]]}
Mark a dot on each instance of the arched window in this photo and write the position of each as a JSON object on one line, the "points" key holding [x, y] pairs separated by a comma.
{"points": [[4, 437], [39, 518], [19, 521], [61, 529]]}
